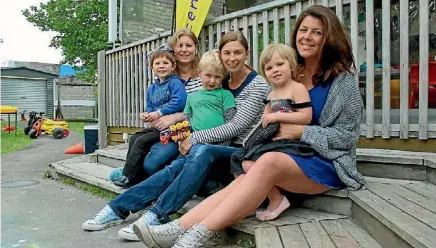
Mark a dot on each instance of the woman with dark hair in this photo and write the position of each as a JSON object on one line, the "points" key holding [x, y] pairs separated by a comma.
{"points": [[175, 184], [326, 66]]}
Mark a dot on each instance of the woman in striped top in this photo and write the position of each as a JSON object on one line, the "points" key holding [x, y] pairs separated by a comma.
{"points": [[249, 90]]}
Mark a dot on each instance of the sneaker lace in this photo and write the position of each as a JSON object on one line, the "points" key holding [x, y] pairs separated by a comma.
{"points": [[166, 230], [193, 238], [101, 215]]}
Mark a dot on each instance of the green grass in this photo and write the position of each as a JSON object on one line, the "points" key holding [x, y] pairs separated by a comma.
{"points": [[92, 189], [76, 127], [11, 142]]}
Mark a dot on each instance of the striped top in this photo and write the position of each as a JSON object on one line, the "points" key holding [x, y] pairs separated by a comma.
{"points": [[249, 105], [192, 85]]}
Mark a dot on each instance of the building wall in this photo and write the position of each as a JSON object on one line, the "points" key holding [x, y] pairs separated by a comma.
{"points": [[44, 67], [77, 99]]}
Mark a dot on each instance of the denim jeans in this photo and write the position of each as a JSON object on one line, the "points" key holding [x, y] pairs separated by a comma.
{"points": [[142, 194], [172, 186], [159, 156], [198, 164]]}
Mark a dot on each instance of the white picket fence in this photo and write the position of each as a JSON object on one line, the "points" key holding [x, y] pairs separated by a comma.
{"points": [[124, 74]]}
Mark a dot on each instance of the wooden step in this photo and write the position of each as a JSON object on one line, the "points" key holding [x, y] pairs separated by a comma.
{"points": [[398, 213]]}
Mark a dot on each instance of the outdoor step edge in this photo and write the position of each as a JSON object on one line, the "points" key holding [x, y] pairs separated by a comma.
{"points": [[110, 154], [386, 221], [90, 179]]}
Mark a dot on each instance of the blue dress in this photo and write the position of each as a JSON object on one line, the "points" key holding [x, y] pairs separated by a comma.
{"points": [[318, 168]]}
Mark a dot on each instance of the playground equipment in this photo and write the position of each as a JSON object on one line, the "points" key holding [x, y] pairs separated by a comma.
{"points": [[10, 110], [38, 124]]}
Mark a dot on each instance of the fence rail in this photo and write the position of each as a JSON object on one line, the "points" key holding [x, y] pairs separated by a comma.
{"points": [[126, 76]]}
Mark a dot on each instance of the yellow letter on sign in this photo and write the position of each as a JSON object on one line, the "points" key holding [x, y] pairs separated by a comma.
{"points": [[191, 14]]}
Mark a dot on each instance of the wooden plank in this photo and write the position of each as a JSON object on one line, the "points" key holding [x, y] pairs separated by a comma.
{"points": [[386, 58], [111, 90], [203, 40], [124, 89], [227, 26], [412, 209], [102, 87], [425, 202], [276, 25], [235, 25], [245, 27], [265, 29], [326, 3], [218, 33], [404, 69], [120, 86], [298, 9], [293, 237], [354, 26], [287, 14], [314, 215], [423, 68], [339, 10], [211, 38], [136, 122], [360, 235], [255, 42], [267, 238], [316, 236], [142, 79], [424, 189], [132, 90], [92, 169], [370, 69], [339, 234], [121, 130], [102, 183], [416, 233]]}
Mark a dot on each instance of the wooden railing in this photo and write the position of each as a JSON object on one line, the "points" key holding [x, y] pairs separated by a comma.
{"points": [[124, 74]]}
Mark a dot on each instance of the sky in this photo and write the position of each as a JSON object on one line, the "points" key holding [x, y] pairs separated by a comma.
{"points": [[21, 40]]}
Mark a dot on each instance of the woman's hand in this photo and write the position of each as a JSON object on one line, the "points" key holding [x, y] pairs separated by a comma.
{"points": [[289, 131], [185, 146], [164, 122]]}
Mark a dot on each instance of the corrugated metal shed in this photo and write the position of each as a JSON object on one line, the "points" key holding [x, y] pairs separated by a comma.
{"points": [[27, 89]]}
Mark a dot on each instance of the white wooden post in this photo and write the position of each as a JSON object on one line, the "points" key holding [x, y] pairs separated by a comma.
{"points": [[102, 85]]}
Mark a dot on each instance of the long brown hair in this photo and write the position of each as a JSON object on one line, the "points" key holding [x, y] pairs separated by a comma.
{"points": [[172, 42], [336, 52]]}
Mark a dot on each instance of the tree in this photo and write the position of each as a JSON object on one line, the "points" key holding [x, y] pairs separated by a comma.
{"points": [[82, 27]]}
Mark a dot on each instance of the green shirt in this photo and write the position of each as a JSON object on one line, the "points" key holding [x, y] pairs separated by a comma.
{"points": [[207, 108]]}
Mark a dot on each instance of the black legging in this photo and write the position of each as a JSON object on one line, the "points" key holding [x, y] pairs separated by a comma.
{"points": [[139, 146]]}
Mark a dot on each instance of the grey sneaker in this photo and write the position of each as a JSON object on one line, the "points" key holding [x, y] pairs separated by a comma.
{"points": [[103, 219], [161, 236], [196, 237], [127, 233]]}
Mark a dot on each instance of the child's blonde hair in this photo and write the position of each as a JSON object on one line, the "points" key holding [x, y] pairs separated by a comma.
{"points": [[212, 59], [162, 53], [284, 52]]}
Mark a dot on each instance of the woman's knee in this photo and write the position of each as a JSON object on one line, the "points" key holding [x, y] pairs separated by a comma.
{"points": [[274, 163], [247, 164]]}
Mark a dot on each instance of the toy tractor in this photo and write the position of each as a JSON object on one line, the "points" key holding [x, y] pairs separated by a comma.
{"points": [[39, 124]]}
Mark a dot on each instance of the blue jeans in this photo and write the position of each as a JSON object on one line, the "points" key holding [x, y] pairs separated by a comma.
{"points": [[159, 156], [172, 186], [198, 164]]}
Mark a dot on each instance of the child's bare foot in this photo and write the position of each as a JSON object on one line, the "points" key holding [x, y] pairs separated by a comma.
{"points": [[275, 208]]}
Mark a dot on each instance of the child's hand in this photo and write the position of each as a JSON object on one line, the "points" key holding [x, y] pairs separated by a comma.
{"points": [[268, 119], [144, 116], [153, 116]]}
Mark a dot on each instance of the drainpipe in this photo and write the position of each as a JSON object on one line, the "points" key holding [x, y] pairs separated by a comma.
{"points": [[113, 20]]}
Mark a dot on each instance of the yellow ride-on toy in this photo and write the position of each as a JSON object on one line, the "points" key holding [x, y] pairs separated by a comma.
{"points": [[39, 124]]}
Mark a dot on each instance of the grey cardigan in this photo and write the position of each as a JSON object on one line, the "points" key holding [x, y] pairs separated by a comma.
{"points": [[336, 136]]}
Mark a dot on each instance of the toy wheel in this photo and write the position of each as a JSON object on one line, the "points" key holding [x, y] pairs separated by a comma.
{"points": [[32, 133], [66, 132], [58, 133], [27, 130]]}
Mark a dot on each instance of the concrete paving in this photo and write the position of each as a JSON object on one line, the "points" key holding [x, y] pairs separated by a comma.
{"points": [[48, 214]]}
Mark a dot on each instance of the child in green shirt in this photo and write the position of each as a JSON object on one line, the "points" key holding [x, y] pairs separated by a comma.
{"points": [[211, 106]]}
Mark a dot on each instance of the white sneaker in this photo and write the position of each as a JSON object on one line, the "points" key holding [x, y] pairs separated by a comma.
{"points": [[127, 233], [196, 237], [103, 219], [160, 236]]}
